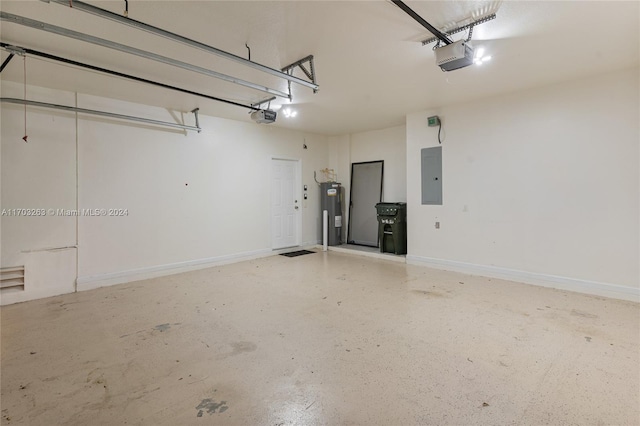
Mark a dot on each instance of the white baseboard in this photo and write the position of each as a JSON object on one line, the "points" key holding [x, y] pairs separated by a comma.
{"points": [[562, 283], [375, 255], [103, 280]]}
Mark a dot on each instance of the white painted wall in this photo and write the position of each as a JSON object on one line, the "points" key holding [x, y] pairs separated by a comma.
{"points": [[540, 186], [40, 174], [192, 199], [340, 162], [386, 144]]}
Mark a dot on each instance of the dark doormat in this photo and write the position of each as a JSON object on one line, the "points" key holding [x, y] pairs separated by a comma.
{"points": [[296, 253]]}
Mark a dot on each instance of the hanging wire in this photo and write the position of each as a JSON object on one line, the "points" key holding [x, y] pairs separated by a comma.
{"points": [[24, 61]]}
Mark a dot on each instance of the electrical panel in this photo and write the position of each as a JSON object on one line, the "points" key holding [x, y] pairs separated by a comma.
{"points": [[431, 171]]}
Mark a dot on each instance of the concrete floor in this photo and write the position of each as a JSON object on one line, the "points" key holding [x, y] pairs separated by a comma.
{"points": [[322, 339]]}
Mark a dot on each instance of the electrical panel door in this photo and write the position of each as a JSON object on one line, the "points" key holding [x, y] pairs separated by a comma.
{"points": [[431, 175]]}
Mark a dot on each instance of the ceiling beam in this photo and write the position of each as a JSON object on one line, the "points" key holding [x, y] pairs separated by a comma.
{"points": [[26, 51], [85, 7], [32, 23]]}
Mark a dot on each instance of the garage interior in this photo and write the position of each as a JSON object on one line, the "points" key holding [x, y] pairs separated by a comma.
{"points": [[159, 157]]}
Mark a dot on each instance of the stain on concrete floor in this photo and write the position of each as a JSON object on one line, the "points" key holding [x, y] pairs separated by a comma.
{"points": [[210, 406]]}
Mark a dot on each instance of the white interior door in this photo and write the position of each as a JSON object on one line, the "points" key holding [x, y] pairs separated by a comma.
{"points": [[285, 205]]}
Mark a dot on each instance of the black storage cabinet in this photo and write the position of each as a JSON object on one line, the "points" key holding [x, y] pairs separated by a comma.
{"points": [[392, 227]]}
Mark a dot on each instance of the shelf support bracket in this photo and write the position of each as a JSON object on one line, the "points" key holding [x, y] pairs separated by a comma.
{"points": [[308, 72], [195, 113]]}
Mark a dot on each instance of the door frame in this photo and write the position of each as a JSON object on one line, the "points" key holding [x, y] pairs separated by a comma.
{"points": [[297, 193], [349, 241]]}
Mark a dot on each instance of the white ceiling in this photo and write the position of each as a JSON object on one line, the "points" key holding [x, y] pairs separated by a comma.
{"points": [[370, 64]]}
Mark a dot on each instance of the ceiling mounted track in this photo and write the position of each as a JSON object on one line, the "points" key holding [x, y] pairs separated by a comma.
{"points": [[433, 30], [104, 113], [85, 7], [25, 51], [463, 28], [32, 23]]}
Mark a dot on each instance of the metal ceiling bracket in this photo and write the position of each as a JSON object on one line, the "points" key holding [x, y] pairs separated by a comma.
{"points": [[257, 104], [4, 16], [470, 33], [195, 113], [102, 113], [14, 50], [463, 28], [85, 7], [6, 62], [310, 73]]}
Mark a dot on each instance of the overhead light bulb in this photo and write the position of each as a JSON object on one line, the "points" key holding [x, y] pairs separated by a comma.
{"points": [[479, 57], [289, 113]]}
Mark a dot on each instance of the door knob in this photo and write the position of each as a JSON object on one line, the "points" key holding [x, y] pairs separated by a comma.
{"points": [[296, 207]]}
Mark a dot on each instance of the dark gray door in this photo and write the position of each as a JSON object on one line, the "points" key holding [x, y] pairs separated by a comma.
{"points": [[366, 192]]}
